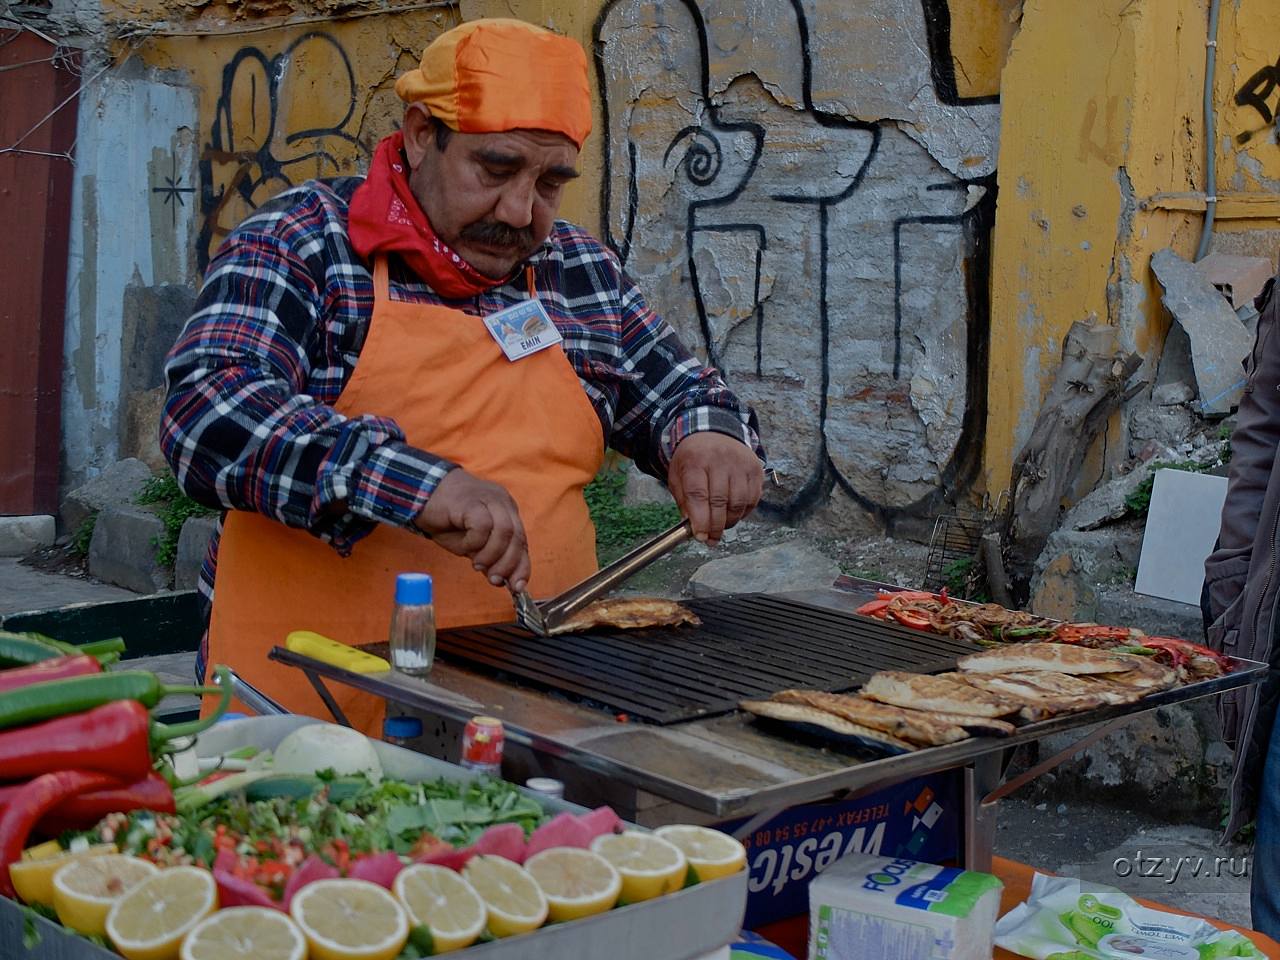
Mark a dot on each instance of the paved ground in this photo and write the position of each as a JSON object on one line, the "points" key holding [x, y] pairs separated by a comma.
{"points": [[1173, 863]]}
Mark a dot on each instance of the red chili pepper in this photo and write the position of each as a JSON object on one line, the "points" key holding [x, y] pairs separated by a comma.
{"points": [[152, 792], [912, 619], [55, 669], [112, 738], [1183, 650], [32, 802], [875, 608]]}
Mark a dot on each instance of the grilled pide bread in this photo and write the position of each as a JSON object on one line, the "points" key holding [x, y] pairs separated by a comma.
{"points": [[798, 713], [629, 613]]}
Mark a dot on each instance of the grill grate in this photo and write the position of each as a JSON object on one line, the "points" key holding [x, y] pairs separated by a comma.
{"points": [[748, 646]]}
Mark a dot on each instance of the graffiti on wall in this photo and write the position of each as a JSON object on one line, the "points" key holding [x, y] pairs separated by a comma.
{"points": [[1259, 92], [279, 119], [827, 261]]}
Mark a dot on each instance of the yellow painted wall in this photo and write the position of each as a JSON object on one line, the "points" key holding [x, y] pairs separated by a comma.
{"points": [[1101, 113]]}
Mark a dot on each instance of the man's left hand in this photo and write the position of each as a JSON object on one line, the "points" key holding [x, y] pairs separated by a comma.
{"points": [[716, 481]]}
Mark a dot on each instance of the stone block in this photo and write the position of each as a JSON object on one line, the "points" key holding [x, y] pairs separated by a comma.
{"points": [[642, 488], [1106, 503], [1164, 759], [117, 485], [1162, 425], [1172, 394], [1152, 615], [123, 549], [785, 566], [20, 535], [193, 544]]}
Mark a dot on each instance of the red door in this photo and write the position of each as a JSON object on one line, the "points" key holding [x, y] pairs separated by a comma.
{"points": [[35, 208]]}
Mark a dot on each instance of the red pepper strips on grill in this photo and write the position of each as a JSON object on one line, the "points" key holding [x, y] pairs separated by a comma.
{"points": [[118, 738], [152, 792], [32, 802], [56, 698], [55, 669], [1182, 651]]}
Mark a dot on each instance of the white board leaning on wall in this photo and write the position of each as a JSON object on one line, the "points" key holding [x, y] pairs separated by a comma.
{"points": [[1182, 525]]}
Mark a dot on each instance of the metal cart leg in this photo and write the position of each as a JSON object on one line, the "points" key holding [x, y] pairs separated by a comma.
{"points": [[327, 697], [979, 825]]}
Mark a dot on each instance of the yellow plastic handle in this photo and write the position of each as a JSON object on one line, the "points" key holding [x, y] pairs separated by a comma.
{"points": [[319, 647]]}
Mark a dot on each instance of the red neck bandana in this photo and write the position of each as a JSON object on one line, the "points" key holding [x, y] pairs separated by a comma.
{"points": [[385, 217]]}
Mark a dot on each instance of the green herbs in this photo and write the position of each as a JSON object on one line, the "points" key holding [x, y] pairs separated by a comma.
{"points": [[619, 525], [174, 508], [458, 813]]}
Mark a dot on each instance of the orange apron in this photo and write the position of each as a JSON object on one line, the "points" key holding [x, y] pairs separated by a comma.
{"points": [[436, 371]]}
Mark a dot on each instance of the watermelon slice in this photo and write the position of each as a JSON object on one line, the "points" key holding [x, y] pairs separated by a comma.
{"points": [[563, 830], [600, 821], [379, 868], [502, 840], [312, 868], [236, 891]]}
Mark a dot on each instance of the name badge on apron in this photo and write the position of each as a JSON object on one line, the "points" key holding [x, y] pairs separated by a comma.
{"points": [[522, 329]]}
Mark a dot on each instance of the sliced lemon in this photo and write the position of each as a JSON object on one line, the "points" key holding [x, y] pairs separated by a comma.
{"points": [[577, 883], [441, 900], [85, 888], [350, 920], [149, 922], [712, 854], [245, 933], [32, 876], [650, 866], [513, 901]]}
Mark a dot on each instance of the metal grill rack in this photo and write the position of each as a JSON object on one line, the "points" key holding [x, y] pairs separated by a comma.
{"points": [[748, 646], [955, 538]]}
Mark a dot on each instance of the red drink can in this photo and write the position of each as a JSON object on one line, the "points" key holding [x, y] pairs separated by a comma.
{"points": [[482, 740]]}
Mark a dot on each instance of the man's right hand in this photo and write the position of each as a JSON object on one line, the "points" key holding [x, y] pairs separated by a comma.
{"points": [[478, 519]]}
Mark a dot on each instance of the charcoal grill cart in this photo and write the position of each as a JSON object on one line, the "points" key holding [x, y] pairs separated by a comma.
{"points": [[647, 720]]}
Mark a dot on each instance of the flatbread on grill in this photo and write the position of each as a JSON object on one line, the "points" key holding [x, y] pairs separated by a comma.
{"points": [[797, 713], [1036, 702], [1058, 657], [629, 613], [1066, 685], [919, 726], [943, 693]]}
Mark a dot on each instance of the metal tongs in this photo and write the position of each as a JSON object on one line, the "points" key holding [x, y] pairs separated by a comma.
{"points": [[543, 618]]}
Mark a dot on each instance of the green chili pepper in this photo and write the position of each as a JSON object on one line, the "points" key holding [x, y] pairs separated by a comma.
{"points": [[56, 698], [24, 649]]}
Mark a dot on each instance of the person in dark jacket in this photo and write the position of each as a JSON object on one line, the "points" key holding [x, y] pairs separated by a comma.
{"points": [[1242, 590]]}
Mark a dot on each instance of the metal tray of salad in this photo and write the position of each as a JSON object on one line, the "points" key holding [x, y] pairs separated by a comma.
{"points": [[265, 835]]}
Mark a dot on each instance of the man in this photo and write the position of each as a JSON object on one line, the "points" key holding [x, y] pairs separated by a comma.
{"points": [[348, 389], [1242, 588]]}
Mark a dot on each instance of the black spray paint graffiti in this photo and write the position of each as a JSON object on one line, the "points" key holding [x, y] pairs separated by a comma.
{"points": [[252, 156], [722, 161], [1257, 92]]}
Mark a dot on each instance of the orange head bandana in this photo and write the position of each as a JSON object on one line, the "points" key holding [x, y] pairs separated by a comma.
{"points": [[490, 76]]}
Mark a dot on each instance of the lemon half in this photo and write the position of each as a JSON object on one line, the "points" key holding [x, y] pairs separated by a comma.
{"points": [[346, 919], [514, 903], [441, 900], [245, 933], [32, 876], [149, 922], [85, 889], [577, 883], [712, 854], [649, 865]]}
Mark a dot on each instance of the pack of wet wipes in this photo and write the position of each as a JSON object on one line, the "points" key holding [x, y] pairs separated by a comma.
{"points": [[1077, 920], [884, 908]]}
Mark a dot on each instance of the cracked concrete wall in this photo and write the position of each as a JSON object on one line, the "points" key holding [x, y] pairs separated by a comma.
{"points": [[805, 189]]}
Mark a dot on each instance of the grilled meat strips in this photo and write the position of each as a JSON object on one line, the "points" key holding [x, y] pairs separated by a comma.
{"points": [[629, 613], [944, 694]]}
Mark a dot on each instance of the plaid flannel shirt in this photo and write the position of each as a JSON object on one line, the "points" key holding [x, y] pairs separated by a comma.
{"points": [[248, 422]]}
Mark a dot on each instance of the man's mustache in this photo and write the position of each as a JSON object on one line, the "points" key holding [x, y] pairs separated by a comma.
{"points": [[496, 234]]}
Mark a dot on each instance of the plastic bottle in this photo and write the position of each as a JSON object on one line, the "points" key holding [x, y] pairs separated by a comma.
{"points": [[401, 731], [413, 625]]}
